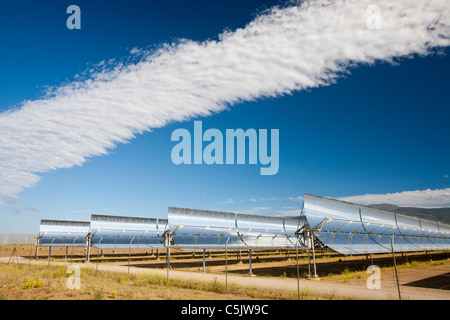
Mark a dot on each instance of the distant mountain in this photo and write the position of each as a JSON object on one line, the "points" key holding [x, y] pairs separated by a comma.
{"points": [[440, 214]]}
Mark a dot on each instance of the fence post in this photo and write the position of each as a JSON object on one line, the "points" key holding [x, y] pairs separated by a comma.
{"points": [[395, 266], [129, 256]]}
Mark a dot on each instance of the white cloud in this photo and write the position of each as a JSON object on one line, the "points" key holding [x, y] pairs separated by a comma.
{"points": [[298, 198], [419, 198], [229, 200], [268, 199], [281, 51]]}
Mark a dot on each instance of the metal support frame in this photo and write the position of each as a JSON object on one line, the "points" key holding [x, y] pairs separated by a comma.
{"points": [[14, 254], [395, 267], [314, 257], [309, 235]]}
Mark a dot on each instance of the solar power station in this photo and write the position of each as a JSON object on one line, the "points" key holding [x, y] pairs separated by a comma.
{"points": [[344, 227]]}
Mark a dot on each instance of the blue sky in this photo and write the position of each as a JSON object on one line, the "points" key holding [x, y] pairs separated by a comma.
{"points": [[380, 129]]}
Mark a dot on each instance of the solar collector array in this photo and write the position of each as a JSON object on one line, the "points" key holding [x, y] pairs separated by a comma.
{"points": [[345, 227], [352, 229], [205, 229], [63, 233], [117, 232]]}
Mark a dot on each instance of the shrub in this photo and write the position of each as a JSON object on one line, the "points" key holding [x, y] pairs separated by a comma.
{"points": [[32, 283], [98, 295]]}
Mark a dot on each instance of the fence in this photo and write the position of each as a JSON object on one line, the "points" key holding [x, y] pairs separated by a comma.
{"points": [[17, 238]]}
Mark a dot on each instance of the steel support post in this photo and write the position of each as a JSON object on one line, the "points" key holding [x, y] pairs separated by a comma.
{"points": [[88, 249], [226, 265], [31, 252], [129, 255], [36, 254], [204, 264], [49, 255], [250, 261]]}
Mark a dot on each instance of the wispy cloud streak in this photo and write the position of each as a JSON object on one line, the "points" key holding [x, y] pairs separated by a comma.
{"points": [[283, 50]]}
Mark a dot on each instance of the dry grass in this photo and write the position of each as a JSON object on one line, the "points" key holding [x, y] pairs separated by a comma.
{"points": [[37, 282]]}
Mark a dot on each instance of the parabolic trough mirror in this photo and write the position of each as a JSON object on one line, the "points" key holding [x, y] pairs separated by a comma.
{"points": [[203, 229], [63, 233], [116, 232], [350, 228]]}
